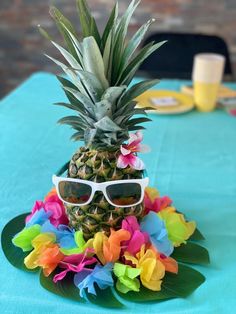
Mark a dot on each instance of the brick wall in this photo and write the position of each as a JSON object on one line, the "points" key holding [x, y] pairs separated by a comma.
{"points": [[22, 47]]}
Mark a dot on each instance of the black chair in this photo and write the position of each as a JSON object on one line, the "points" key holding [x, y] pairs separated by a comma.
{"points": [[175, 58]]}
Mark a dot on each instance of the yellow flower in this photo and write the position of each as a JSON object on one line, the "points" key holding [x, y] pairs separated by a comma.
{"points": [[178, 229], [151, 193], [152, 270], [42, 242], [98, 241]]}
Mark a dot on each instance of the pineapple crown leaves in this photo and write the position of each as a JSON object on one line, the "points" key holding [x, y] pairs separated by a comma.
{"points": [[100, 69]]}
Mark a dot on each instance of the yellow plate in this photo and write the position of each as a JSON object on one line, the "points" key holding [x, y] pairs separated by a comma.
{"points": [[185, 102], [224, 91]]}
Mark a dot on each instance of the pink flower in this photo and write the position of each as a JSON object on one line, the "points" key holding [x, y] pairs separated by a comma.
{"points": [[52, 205], [128, 152], [138, 238], [75, 263], [153, 202], [232, 112]]}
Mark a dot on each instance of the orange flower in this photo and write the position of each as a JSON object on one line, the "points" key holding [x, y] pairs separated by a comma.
{"points": [[170, 264], [108, 249], [111, 247], [49, 259], [45, 254]]}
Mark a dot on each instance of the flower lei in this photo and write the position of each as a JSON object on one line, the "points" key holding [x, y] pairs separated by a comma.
{"points": [[136, 255]]}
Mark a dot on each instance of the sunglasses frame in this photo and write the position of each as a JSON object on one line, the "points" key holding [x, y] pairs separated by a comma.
{"points": [[101, 187]]}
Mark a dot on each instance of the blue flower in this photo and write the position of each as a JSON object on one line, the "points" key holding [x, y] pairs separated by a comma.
{"points": [[64, 235], [101, 275], [156, 229], [38, 218]]}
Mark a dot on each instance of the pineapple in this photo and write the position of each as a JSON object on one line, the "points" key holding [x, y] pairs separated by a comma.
{"points": [[100, 69]]}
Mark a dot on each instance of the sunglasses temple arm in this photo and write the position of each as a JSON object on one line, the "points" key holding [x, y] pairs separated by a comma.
{"points": [[62, 169]]}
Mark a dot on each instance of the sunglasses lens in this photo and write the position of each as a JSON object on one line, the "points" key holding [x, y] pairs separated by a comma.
{"points": [[124, 194], [74, 192]]}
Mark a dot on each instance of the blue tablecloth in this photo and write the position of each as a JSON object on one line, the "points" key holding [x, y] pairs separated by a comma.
{"points": [[193, 160]]}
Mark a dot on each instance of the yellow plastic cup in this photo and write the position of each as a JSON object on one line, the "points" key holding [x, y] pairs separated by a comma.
{"points": [[208, 69], [205, 95]]}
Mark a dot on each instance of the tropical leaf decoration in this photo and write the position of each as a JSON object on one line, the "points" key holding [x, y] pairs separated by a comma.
{"points": [[15, 257], [174, 285]]}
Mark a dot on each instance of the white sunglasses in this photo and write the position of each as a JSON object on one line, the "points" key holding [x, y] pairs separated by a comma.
{"points": [[119, 193]]}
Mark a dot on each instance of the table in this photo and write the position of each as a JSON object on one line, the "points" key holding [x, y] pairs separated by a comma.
{"points": [[193, 160]]}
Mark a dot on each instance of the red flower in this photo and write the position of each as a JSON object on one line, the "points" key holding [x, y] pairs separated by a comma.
{"points": [[153, 202]]}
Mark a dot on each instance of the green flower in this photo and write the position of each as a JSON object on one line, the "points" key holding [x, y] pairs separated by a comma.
{"points": [[179, 230], [24, 238], [127, 280]]}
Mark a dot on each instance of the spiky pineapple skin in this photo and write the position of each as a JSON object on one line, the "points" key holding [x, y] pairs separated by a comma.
{"points": [[99, 215]]}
